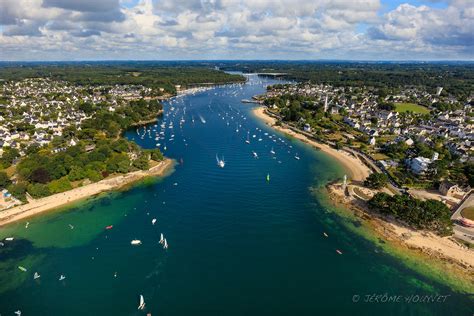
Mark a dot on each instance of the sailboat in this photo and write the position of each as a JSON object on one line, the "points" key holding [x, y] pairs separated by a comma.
{"points": [[272, 151], [297, 157], [153, 221], [268, 177], [62, 277], [165, 244], [18, 312], [36, 276], [220, 162], [142, 303], [247, 140], [136, 242], [255, 154], [22, 268], [161, 238]]}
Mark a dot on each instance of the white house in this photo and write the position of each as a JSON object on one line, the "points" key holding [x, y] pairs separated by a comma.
{"points": [[419, 165]]}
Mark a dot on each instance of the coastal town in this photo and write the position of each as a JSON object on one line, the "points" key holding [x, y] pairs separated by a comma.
{"points": [[54, 117], [216, 157], [419, 142]]}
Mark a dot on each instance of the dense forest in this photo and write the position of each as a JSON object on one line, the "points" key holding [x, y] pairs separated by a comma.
{"points": [[150, 74], [458, 78]]}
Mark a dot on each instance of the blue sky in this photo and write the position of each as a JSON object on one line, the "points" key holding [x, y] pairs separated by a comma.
{"points": [[236, 29]]}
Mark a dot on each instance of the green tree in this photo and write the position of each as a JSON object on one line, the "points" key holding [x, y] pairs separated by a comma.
{"points": [[376, 180], [93, 175], [9, 155], [155, 154], [76, 173], [60, 185], [38, 190], [18, 190], [141, 163], [4, 180]]}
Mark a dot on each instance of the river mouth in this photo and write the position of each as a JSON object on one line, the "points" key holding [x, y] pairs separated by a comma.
{"points": [[239, 242]]}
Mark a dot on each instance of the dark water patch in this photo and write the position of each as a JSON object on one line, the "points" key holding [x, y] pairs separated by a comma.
{"points": [[15, 249]]}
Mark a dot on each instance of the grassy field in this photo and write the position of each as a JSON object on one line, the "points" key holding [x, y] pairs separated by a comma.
{"points": [[412, 107], [468, 213], [379, 156]]}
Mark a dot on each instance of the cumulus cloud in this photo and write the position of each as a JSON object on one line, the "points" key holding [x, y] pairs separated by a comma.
{"points": [[449, 30], [166, 29]]}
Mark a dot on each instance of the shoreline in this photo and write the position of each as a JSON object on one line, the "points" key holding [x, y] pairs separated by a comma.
{"points": [[58, 200], [357, 170], [447, 259], [443, 251], [425, 241]]}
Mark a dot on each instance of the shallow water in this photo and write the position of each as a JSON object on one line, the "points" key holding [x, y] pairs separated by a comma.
{"points": [[238, 244]]}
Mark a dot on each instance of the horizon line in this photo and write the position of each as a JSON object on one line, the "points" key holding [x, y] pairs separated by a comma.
{"points": [[244, 60]]}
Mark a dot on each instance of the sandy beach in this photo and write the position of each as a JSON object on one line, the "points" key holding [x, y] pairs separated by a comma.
{"points": [[443, 248], [356, 169], [35, 207]]}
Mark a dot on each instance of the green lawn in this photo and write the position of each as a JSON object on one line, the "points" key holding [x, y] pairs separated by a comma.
{"points": [[412, 107], [468, 213], [379, 156]]}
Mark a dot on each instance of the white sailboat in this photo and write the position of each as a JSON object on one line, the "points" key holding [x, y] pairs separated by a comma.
{"points": [[36, 276], [18, 312], [162, 239], [247, 140], [62, 277], [165, 244], [255, 155], [136, 242], [141, 306], [272, 151], [220, 162], [297, 157], [153, 221]]}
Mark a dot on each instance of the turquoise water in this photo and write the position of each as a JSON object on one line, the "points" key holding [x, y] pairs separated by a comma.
{"points": [[238, 244]]}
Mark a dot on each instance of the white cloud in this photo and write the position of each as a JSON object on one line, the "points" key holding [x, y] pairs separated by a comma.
{"points": [[83, 29]]}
